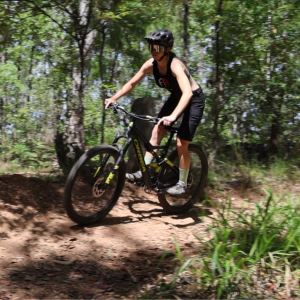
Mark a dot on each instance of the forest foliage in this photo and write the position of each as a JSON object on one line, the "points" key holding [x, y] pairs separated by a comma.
{"points": [[61, 59]]}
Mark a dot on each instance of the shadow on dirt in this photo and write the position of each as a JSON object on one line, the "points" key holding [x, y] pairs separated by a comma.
{"points": [[61, 277], [155, 213], [29, 202]]}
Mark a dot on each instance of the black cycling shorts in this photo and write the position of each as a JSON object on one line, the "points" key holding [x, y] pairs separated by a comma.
{"points": [[192, 114]]}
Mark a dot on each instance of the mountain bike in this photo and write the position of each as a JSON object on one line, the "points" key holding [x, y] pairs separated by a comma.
{"points": [[97, 179]]}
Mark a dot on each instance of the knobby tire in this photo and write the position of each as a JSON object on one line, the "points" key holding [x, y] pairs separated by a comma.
{"points": [[82, 186]]}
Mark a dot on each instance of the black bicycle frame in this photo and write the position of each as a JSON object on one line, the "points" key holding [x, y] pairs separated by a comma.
{"points": [[134, 135]]}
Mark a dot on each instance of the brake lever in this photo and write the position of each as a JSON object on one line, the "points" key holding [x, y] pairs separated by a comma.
{"points": [[155, 120], [114, 106]]}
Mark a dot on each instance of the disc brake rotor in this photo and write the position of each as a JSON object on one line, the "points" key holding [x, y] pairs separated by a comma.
{"points": [[98, 187]]}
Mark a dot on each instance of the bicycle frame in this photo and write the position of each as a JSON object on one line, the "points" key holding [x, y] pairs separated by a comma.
{"points": [[135, 136]]}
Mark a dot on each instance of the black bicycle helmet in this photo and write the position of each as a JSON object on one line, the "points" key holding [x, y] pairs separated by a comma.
{"points": [[162, 36]]}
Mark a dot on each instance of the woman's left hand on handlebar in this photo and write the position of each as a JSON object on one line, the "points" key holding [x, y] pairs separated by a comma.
{"points": [[167, 121], [109, 101]]}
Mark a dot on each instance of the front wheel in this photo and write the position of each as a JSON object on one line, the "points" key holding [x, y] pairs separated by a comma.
{"points": [[94, 185], [195, 184]]}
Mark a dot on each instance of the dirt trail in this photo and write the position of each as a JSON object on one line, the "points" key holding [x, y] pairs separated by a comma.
{"points": [[44, 255]]}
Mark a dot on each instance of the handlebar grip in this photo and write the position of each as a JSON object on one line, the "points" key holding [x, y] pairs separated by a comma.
{"points": [[112, 105]]}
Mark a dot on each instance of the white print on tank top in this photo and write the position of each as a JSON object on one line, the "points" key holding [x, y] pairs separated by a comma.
{"points": [[163, 82]]}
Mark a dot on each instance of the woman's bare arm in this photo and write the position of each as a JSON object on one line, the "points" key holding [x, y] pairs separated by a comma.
{"points": [[147, 68]]}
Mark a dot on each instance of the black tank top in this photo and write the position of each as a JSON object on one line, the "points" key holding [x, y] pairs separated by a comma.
{"points": [[167, 81]]}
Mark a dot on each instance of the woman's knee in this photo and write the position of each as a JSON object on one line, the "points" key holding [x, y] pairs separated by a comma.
{"points": [[158, 132], [182, 144]]}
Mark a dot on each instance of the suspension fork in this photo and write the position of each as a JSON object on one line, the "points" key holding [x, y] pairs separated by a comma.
{"points": [[122, 151]]}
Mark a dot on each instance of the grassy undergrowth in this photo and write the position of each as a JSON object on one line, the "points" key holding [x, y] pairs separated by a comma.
{"points": [[253, 252], [251, 173]]}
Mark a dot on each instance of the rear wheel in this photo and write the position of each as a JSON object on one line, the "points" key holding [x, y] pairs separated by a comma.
{"points": [[195, 185], [91, 190]]}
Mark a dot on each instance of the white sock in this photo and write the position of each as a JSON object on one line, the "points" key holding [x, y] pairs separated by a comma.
{"points": [[183, 175], [148, 159]]}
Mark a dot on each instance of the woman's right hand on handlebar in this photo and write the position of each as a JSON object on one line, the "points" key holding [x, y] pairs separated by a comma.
{"points": [[109, 101]]}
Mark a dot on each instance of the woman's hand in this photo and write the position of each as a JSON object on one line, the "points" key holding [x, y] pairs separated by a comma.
{"points": [[109, 101], [167, 121]]}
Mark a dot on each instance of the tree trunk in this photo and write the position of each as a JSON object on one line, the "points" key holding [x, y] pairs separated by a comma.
{"points": [[70, 145], [2, 100], [186, 52], [275, 129], [219, 80], [30, 72], [200, 64], [103, 81], [103, 90], [271, 98]]}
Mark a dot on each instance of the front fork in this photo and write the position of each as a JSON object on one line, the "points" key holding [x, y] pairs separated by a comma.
{"points": [[111, 175]]}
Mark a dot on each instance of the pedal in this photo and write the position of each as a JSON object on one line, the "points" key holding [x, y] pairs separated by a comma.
{"points": [[147, 190]]}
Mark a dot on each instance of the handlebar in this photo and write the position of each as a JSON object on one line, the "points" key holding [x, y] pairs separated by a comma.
{"points": [[115, 107]]}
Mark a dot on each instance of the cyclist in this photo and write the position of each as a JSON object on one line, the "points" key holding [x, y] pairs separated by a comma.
{"points": [[186, 98]]}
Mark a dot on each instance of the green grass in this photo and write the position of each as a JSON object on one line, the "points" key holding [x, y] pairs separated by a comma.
{"points": [[250, 174], [241, 240]]}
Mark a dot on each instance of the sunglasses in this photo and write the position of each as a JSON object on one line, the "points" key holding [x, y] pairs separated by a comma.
{"points": [[157, 48]]}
